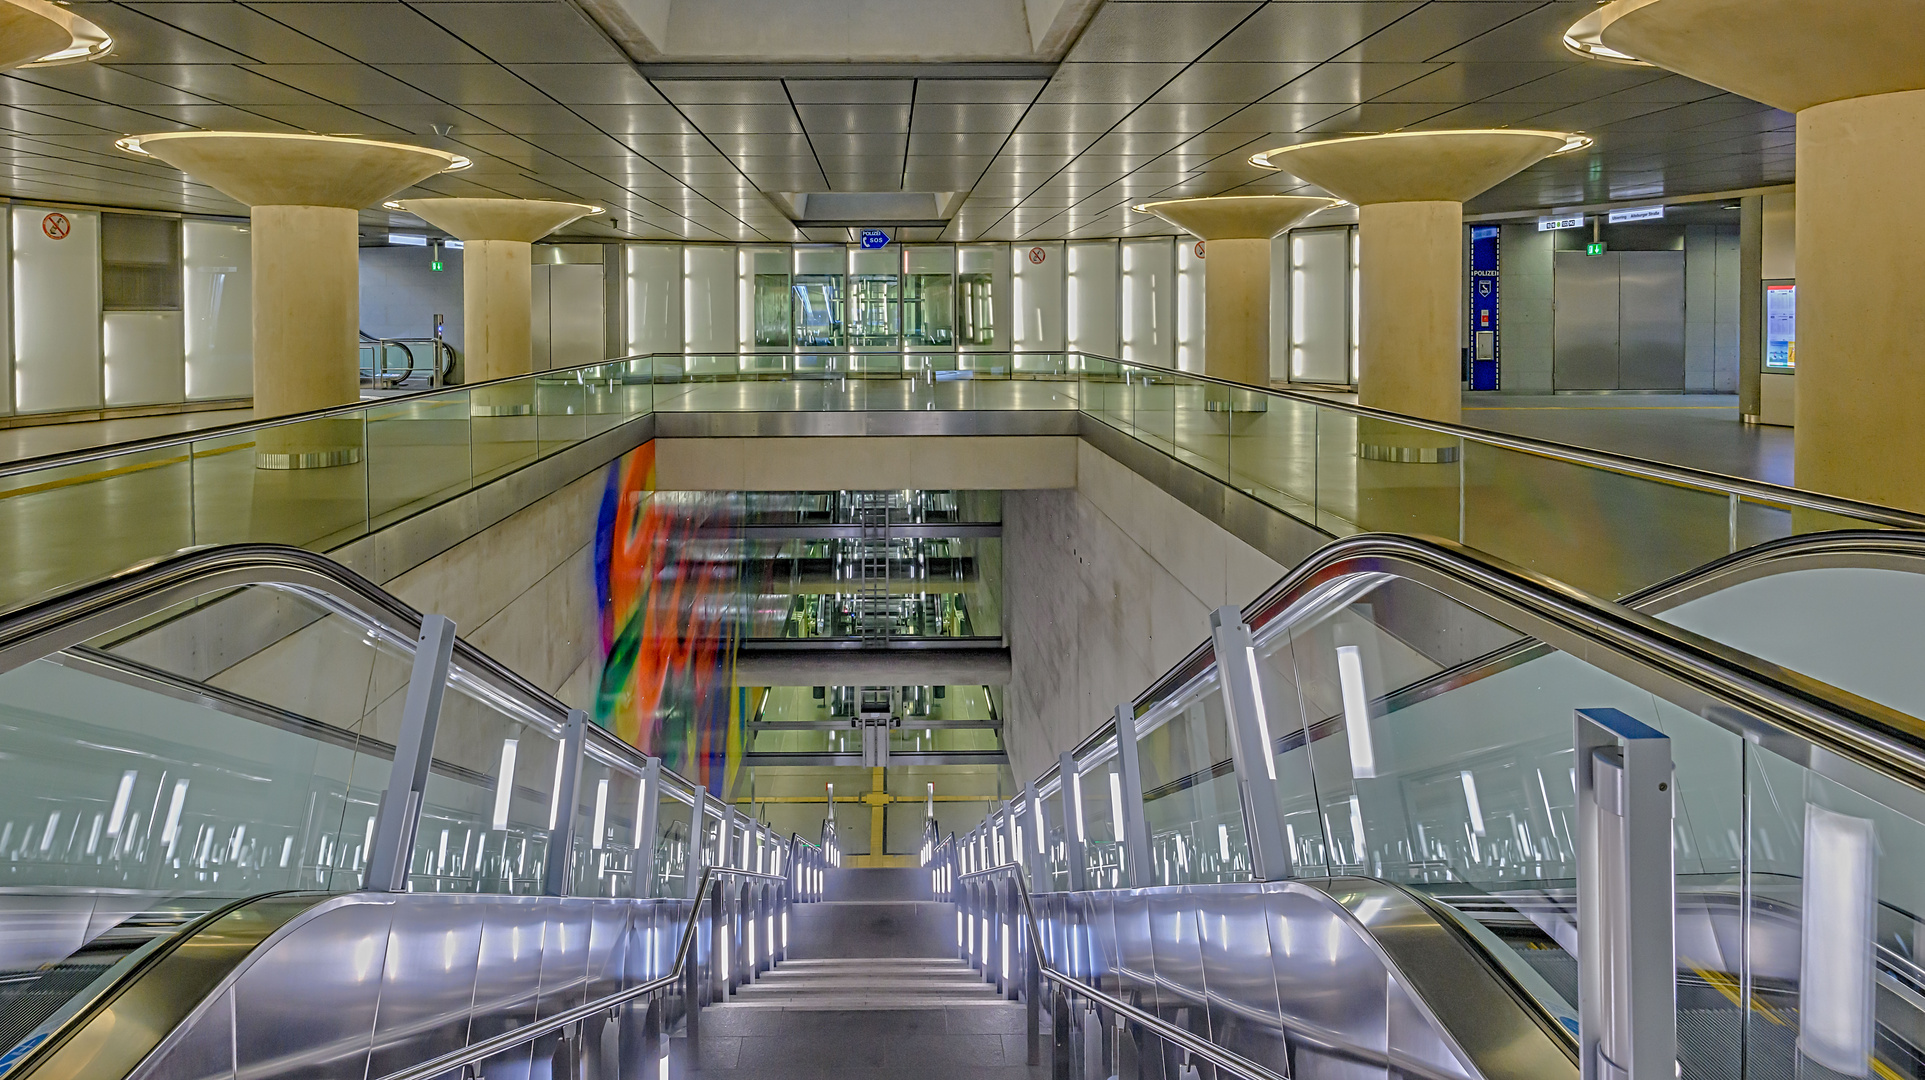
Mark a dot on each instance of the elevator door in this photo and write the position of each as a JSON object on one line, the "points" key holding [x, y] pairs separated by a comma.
{"points": [[1618, 321]]}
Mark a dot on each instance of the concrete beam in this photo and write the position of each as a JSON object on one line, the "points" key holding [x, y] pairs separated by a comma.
{"points": [[871, 667]]}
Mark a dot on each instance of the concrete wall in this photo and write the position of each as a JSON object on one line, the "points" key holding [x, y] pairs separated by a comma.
{"points": [[1711, 308], [867, 463], [1524, 309], [1110, 584]]}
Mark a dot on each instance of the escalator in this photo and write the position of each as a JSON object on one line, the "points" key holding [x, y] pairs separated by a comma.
{"points": [[196, 759], [1417, 701]]}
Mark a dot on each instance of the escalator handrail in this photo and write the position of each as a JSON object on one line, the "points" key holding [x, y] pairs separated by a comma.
{"points": [[508, 1040], [1880, 549], [1792, 712], [46, 626]]}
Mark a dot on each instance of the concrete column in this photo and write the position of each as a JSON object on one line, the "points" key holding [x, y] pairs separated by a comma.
{"points": [[305, 192], [497, 237], [36, 32], [1851, 74], [1410, 188], [1237, 231]]}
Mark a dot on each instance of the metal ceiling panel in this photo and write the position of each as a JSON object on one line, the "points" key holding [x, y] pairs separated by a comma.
{"points": [[142, 40], [851, 91], [375, 33], [1240, 83], [966, 117], [228, 84], [1537, 35], [344, 84], [1308, 32], [590, 84], [744, 119], [422, 119], [328, 119], [1370, 119], [1147, 32], [635, 119], [724, 91], [753, 145], [219, 118], [1351, 84], [99, 82], [941, 142], [535, 119], [472, 84], [1185, 118], [1087, 83], [526, 33], [1455, 84], [1436, 29], [832, 119], [245, 31], [977, 91], [1083, 119], [1258, 119]]}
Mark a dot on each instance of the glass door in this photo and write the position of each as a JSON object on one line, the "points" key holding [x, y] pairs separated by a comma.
{"points": [[817, 301], [875, 303]]}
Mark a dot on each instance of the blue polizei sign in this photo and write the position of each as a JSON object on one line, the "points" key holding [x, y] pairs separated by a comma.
{"points": [[873, 239], [1485, 372]]}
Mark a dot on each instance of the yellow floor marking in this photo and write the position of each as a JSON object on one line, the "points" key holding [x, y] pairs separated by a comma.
{"points": [[124, 470]]}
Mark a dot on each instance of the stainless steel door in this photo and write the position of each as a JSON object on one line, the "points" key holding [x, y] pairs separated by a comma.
{"points": [[1584, 321], [1650, 320]]}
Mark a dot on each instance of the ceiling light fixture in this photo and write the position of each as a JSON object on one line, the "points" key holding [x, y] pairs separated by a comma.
{"points": [[1585, 38]]}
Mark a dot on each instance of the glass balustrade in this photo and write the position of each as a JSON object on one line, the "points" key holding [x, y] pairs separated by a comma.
{"points": [[1604, 524]]}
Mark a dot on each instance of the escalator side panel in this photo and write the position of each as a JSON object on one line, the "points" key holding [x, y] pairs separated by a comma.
{"points": [[564, 955], [1245, 1015], [1330, 986], [423, 1013], [1416, 1046], [304, 1007], [607, 927], [1491, 1022], [1104, 962], [1179, 959]]}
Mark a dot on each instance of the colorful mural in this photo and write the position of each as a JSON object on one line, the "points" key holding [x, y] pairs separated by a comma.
{"points": [[668, 569]]}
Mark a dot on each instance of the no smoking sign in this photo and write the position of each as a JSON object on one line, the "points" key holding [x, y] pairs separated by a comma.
{"points": [[56, 226], [1037, 255]]}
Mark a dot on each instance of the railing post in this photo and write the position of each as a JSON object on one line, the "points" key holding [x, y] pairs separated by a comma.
{"points": [[561, 839], [1135, 824], [1251, 748], [400, 808], [1068, 785], [698, 853], [726, 855], [647, 818], [1626, 900], [1033, 849]]}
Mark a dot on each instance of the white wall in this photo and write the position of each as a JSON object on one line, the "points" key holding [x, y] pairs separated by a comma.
{"points": [[143, 358], [1320, 322], [654, 291], [217, 303], [1191, 269], [1092, 297], [1149, 301], [1039, 323], [708, 299], [56, 311]]}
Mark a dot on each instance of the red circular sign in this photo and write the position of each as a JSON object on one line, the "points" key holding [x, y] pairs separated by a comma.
{"points": [[56, 226], [1037, 255], [1199, 249]]}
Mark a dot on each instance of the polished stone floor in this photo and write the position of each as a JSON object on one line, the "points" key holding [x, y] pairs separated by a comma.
{"points": [[1699, 431]]}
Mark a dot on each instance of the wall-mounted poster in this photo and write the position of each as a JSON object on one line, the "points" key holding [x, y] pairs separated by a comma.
{"points": [[1781, 327]]}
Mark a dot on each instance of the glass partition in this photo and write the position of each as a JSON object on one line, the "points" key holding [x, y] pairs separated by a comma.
{"points": [[929, 297], [818, 297]]}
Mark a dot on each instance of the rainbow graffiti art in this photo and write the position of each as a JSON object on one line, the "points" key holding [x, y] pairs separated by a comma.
{"points": [[668, 569]]}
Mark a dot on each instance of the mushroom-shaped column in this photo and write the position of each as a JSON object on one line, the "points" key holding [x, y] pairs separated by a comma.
{"points": [[304, 193], [1236, 284], [1410, 188], [495, 236], [1854, 75], [34, 33]]}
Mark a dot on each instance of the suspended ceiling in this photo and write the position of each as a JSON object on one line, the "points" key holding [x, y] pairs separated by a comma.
{"points": [[1153, 99]]}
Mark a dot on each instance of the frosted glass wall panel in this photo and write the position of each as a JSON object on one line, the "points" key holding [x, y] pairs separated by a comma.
{"points": [[56, 309], [1037, 271], [217, 262], [762, 300], [1092, 295], [1149, 301], [1191, 256], [1320, 305], [708, 299], [982, 296], [577, 325], [145, 363], [654, 297]]}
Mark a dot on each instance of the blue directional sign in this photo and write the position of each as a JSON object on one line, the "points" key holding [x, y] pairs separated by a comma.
{"points": [[873, 239]]}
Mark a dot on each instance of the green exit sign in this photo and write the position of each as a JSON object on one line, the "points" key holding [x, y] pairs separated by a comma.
{"points": [[436, 265], [1595, 247]]}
